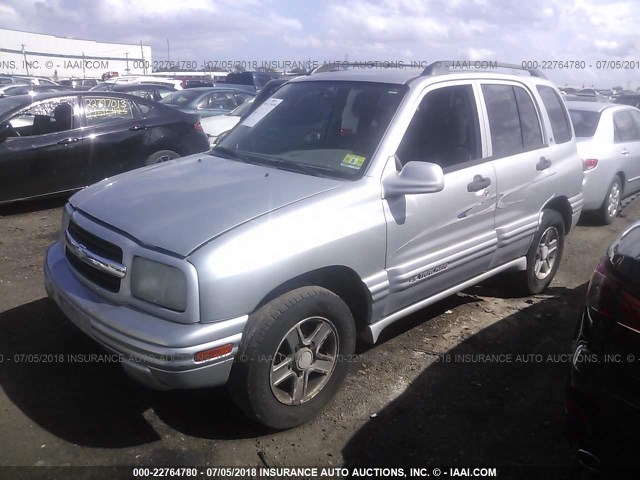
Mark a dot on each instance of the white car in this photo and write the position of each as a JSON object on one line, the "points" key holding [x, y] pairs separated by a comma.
{"points": [[608, 140], [214, 126]]}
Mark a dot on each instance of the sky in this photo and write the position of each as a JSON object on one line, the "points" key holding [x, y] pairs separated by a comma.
{"points": [[587, 32]]}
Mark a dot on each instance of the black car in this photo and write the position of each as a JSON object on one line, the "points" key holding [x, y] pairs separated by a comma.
{"points": [[632, 99], [79, 83], [32, 89], [150, 91], [603, 399], [53, 143], [256, 80]]}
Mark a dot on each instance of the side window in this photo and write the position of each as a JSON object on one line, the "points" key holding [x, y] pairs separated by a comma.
{"points": [[444, 130], [636, 119], [51, 116], [100, 111], [203, 103], [145, 109], [625, 128], [241, 97], [222, 101], [557, 114], [504, 121], [529, 120]]}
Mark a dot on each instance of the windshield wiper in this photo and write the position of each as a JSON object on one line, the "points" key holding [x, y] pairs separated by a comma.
{"points": [[229, 153], [293, 166]]}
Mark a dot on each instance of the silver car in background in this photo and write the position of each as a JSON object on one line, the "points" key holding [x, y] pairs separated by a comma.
{"points": [[608, 137]]}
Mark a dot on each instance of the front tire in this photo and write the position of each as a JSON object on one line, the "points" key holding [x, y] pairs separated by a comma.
{"points": [[161, 156], [611, 205], [544, 255], [293, 358]]}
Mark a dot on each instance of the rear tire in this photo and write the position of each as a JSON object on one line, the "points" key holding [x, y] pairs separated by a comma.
{"points": [[161, 156], [544, 255], [293, 358], [611, 204]]}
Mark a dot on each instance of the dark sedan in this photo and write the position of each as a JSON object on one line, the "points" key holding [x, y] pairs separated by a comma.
{"points": [[603, 400], [150, 91], [52, 143], [632, 99], [207, 101], [32, 89]]}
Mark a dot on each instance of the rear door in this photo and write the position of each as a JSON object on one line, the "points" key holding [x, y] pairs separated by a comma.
{"points": [[48, 157], [116, 135], [524, 169], [438, 240], [627, 145]]}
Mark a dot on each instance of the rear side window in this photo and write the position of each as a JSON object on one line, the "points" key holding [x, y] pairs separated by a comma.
{"points": [[99, 111], [557, 114], [625, 129], [635, 115], [529, 121], [584, 123], [513, 119]]}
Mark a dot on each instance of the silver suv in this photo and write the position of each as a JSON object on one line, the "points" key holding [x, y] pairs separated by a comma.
{"points": [[346, 201]]}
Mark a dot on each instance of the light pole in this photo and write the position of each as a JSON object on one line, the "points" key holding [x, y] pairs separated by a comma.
{"points": [[168, 52]]}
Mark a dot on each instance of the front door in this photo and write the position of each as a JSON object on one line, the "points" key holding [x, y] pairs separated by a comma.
{"points": [[44, 155], [438, 240]]}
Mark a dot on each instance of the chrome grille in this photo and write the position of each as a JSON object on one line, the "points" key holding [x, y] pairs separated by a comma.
{"points": [[95, 259]]}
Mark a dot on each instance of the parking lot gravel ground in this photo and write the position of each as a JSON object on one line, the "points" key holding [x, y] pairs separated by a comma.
{"points": [[477, 379]]}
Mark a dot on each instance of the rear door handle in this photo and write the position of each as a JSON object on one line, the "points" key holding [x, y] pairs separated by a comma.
{"points": [[138, 127], [625, 152], [479, 183], [67, 141], [543, 164]]}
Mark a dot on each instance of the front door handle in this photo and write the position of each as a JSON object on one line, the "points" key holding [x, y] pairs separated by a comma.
{"points": [[543, 164], [67, 141], [479, 183], [138, 127], [625, 152]]}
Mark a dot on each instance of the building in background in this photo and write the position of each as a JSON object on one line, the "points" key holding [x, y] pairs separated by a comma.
{"points": [[26, 53]]}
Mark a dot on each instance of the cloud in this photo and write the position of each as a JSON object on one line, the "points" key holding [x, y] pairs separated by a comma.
{"points": [[426, 30]]}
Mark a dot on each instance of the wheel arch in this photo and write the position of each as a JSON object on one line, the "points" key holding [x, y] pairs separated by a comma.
{"points": [[623, 180], [563, 207], [341, 280]]}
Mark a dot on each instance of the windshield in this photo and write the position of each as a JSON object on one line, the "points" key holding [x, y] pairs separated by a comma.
{"points": [[181, 97], [584, 123], [238, 112], [319, 128], [9, 103]]}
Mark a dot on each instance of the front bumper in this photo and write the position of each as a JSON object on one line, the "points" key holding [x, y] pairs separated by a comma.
{"points": [[155, 352]]}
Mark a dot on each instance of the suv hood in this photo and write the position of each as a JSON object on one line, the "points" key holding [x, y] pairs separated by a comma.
{"points": [[181, 204]]}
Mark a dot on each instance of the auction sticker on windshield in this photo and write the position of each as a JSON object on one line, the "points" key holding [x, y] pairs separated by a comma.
{"points": [[262, 111], [353, 161]]}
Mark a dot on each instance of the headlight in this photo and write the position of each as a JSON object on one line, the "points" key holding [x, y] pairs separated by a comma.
{"points": [[158, 283]]}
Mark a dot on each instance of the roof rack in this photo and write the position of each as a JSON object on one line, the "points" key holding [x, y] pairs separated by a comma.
{"points": [[444, 67], [342, 66]]}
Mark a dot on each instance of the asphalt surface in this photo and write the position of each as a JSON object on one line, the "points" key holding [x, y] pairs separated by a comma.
{"points": [[477, 379]]}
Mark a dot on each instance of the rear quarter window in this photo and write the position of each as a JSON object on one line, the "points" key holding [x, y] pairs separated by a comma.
{"points": [[557, 114]]}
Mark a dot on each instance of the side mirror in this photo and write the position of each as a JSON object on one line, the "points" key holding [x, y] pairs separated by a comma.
{"points": [[414, 178], [5, 130]]}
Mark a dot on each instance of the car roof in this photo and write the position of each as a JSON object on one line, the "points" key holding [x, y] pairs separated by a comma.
{"points": [[27, 99], [213, 89], [396, 76], [592, 106], [401, 76]]}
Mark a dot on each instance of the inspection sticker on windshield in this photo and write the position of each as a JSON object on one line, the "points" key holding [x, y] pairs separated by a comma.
{"points": [[353, 161], [262, 111]]}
